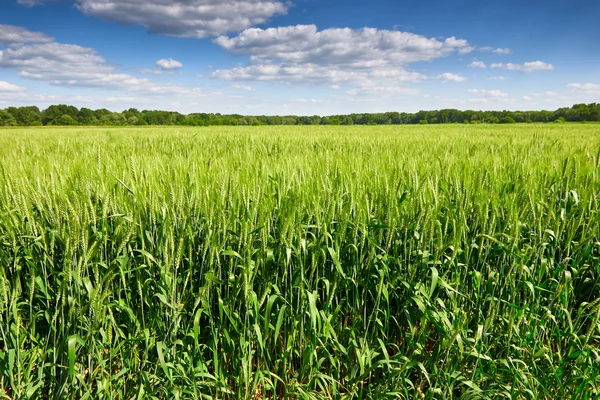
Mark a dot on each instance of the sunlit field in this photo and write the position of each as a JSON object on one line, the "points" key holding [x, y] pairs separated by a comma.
{"points": [[314, 262]]}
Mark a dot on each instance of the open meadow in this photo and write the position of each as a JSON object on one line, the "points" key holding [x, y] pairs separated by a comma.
{"points": [[309, 262]]}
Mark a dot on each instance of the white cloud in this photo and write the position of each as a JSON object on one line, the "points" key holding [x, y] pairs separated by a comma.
{"points": [[312, 101], [465, 50], [489, 93], [245, 88], [478, 101], [30, 3], [374, 60], [10, 34], [526, 67], [304, 44], [587, 88], [449, 77], [156, 71], [186, 18], [497, 78], [493, 50], [545, 94], [527, 98], [313, 74], [477, 64], [371, 88], [75, 66], [55, 62], [168, 64], [9, 87]]}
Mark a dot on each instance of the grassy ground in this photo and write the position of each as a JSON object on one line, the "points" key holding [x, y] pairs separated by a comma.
{"points": [[300, 262]]}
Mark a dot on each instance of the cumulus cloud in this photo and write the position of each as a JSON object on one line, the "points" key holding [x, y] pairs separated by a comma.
{"points": [[9, 87], [312, 101], [76, 66], [546, 94], [497, 78], [526, 67], [488, 93], [373, 88], [30, 3], [527, 98], [494, 50], [448, 77], [311, 74], [375, 60], [244, 88], [466, 50], [305, 44], [185, 18], [168, 64], [10, 35], [587, 88], [477, 64]]}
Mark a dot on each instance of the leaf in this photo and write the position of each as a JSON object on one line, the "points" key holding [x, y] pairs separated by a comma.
{"points": [[336, 262], [72, 349], [434, 280]]}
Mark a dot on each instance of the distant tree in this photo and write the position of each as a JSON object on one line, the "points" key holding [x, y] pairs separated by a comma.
{"points": [[87, 117], [101, 113], [31, 116], [423, 122], [115, 119], [348, 121], [66, 120], [507, 120], [7, 119], [52, 114], [26, 115]]}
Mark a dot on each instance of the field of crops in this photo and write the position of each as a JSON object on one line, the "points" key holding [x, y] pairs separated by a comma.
{"points": [[300, 262]]}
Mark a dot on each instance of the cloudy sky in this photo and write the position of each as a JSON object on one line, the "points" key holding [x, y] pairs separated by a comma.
{"points": [[300, 56]]}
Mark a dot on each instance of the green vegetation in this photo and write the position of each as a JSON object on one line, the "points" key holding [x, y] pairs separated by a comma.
{"points": [[301, 262], [69, 115]]}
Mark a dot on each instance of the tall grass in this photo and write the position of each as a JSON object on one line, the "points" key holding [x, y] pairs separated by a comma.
{"points": [[305, 263]]}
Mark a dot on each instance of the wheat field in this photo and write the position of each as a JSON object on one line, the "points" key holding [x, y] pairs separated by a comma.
{"points": [[316, 262]]}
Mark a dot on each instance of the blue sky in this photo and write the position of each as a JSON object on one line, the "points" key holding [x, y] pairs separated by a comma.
{"points": [[300, 56]]}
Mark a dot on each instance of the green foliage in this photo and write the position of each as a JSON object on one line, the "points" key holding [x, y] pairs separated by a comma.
{"points": [[53, 114], [423, 122], [7, 119], [31, 116], [26, 116], [507, 120], [301, 263], [65, 120]]}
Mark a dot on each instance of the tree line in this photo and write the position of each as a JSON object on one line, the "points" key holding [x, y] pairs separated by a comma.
{"points": [[64, 115]]}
